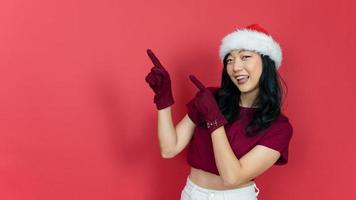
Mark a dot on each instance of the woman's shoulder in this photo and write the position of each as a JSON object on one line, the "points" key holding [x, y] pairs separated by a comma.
{"points": [[282, 118], [282, 122]]}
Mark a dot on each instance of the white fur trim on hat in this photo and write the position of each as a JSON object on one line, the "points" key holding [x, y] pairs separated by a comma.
{"points": [[251, 40]]}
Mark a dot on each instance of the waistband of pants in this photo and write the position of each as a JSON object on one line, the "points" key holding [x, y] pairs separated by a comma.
{"points": [[249, 188]]}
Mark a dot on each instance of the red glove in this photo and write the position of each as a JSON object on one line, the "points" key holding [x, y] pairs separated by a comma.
{"points": [[159, 80], [207, 107]]}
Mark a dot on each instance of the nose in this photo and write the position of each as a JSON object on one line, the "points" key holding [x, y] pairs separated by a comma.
{"points": [[237, 65]]}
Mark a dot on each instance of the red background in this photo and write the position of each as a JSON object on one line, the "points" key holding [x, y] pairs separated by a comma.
{"points": [[77, 120]]}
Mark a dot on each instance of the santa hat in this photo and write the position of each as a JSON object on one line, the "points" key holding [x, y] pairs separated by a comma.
{"points": [[252, 38]]}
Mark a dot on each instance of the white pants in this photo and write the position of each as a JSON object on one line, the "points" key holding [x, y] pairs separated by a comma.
{"points": [[192, 191]]}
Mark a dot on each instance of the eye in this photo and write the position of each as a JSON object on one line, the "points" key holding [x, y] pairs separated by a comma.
{"points": [[244, 57], [228, 60]]}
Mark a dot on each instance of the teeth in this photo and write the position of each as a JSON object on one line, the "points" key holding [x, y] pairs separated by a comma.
{"points": [[241, 77]]}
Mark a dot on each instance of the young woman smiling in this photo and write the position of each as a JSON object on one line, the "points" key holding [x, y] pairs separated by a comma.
{"points": [[234, 132]]}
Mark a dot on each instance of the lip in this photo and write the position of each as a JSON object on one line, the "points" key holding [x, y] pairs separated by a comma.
{"points": [[243, 82], [240, 75]]}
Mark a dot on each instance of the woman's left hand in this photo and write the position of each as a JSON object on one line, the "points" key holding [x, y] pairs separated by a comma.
{"points": [[207, 107]]}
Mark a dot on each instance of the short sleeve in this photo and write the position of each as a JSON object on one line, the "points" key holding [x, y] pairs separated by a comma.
{"points": [[278, 137], [192, 112]]}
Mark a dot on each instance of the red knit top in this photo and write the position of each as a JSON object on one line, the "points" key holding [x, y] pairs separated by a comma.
{"points": [[200, 150]]}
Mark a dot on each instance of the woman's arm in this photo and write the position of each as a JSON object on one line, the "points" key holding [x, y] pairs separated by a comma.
{"points": [[173, 140], [235, 172]]}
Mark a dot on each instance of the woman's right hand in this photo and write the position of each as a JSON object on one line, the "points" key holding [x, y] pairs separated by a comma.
{"points": [[159, 80]]}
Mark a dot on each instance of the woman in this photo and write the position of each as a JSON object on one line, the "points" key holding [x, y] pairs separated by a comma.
{"points": [[234, 132]]}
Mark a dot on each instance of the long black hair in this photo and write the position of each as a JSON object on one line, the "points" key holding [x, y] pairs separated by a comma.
{"points": [[267, 105]]}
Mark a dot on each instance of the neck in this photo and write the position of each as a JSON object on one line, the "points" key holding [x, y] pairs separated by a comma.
{"points": [[247, 98]]}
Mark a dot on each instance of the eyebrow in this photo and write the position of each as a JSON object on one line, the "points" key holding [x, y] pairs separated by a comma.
{"points": [[242, 50], [237, 52]]}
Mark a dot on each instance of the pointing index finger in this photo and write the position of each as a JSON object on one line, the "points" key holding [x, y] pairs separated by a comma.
{"points": [[154, 59], [197, 83]]}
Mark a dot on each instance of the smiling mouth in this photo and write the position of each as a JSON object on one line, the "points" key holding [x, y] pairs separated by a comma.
{"points": [[242, 79]]}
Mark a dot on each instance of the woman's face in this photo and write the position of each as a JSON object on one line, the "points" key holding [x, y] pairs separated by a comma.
{"points": [[245, 68]]}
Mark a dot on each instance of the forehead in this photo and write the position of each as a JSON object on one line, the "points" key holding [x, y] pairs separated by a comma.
{"points": [[240, 51]]}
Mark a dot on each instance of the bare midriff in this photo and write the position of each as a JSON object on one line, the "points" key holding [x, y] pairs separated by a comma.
{"points": [[211, 181]]}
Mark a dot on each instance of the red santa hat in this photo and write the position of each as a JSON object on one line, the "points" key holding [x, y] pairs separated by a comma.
{"points": [[252, 38]]}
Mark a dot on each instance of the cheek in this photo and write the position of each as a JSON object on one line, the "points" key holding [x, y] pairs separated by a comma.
{"points": [[255, 76], [229, 71]]}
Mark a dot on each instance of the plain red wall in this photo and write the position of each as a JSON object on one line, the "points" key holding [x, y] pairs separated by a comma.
{"points": [[77, 120]]}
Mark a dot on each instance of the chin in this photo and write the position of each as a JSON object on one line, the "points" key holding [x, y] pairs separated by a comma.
{"points": [[244, 91]]}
